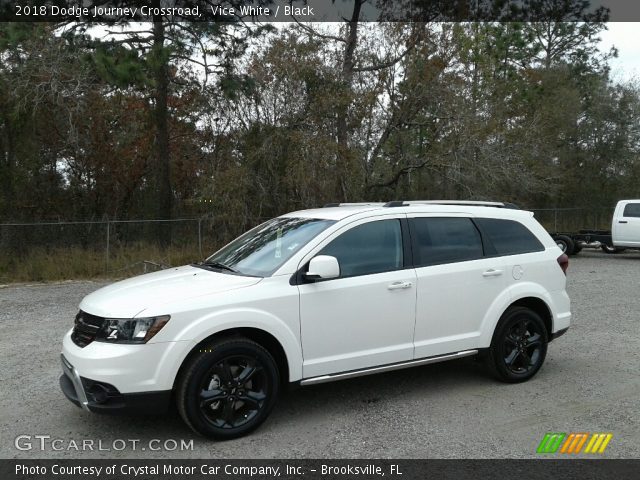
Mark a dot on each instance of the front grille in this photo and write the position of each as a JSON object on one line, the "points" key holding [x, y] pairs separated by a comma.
{"points": [[86, 328]]}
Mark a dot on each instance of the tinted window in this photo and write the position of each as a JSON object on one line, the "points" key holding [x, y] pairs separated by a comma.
{"points": [[369, 248], [509, 237], [445, 240], [632, 210]]}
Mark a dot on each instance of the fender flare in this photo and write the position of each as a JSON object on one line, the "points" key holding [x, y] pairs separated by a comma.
{"points": [[224, 320], [504, 301]]}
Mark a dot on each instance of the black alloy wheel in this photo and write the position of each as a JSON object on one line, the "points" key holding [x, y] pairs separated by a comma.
{"points": [[519, 345], [228, 388], [522, 347], [233, 392]]}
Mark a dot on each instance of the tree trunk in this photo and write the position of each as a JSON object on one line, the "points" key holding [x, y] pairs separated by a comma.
{"points": [[164, 194], [7, 156], [342, 134]]}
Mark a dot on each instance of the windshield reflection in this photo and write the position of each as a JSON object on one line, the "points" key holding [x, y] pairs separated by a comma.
{"points": [[262, 250]]}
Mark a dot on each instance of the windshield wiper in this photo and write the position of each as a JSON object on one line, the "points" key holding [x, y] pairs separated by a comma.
{"points": [[220, 266]]}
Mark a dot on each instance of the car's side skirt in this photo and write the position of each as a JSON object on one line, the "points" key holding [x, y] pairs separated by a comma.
{"points": [[386, 368]]}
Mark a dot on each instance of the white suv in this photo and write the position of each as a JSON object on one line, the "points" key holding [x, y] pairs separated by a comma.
{"points": [[321, 295]]}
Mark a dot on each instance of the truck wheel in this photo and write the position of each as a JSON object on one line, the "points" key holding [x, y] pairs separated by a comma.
{"points": [[228, 388], [565, 243], [519, 345], [610, 249]]}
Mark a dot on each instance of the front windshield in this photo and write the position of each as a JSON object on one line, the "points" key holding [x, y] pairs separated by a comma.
{"points": [[263, 249]]}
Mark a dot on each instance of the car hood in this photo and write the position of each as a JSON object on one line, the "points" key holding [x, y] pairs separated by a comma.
{"points": [[128, 298]]}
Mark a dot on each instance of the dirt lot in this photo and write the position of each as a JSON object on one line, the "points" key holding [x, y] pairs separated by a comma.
{"points": [[589, 383]]}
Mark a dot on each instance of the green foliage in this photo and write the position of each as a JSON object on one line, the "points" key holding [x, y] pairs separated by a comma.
{"points": [[258, 123], [119, 66]]}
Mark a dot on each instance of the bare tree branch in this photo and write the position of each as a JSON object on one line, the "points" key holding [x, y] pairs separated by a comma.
{"points": [[381, 66], [315, 33]]}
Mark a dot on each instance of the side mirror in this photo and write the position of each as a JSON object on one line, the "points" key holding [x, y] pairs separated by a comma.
{"points": [[323, 267]]}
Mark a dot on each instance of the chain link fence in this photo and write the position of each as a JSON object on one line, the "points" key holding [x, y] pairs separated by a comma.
{"points": [[574, 219], [108, 248], [120, 248]]}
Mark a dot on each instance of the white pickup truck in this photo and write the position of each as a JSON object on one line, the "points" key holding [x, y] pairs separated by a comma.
{"points": [[624, 234]]}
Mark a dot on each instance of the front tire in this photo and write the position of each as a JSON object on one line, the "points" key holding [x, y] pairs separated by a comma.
{"points": [[519, 345], [610, 249], [228, 388]]}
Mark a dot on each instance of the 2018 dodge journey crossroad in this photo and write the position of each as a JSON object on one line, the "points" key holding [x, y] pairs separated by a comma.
{"points": [[321, 295]]}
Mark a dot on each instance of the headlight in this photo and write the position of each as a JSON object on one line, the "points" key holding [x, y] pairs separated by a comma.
{"points": [[130, 330]]}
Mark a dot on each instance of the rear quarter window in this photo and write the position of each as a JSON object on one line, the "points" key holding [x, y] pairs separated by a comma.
{"points": [[509, 237]]}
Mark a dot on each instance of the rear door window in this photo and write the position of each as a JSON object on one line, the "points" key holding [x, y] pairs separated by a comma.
{"points": [[440, 240], [632, 210], [509, 237]]}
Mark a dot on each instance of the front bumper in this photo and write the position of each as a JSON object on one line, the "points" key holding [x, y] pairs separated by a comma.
{"points": [[71, 385], [100, 397], [109, 378], [129, 368]]}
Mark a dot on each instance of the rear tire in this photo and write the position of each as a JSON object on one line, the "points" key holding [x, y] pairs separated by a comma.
{"points": [[565, 243], [228, 388], [519, 345]]}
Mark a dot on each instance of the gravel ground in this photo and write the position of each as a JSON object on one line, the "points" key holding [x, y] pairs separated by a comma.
{"points": [[589, 383]]}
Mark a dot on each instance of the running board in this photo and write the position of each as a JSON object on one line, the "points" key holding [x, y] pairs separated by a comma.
{"points": [[386, 368]]}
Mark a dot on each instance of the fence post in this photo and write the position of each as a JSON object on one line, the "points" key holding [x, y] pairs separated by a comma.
{"points": [[200, 236], [107, 256]]}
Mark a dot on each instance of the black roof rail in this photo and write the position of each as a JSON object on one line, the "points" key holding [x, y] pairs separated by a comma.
{"points": [[466, 203], [406, 203], [511, 205], [353, 204]]}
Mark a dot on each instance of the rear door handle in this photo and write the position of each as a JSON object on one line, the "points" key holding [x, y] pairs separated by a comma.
{"points": [[492, 272], [622, 221], [399, 285]]}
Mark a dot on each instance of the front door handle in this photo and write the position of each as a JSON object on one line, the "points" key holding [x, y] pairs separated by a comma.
{"points": [[622, 221], [399, 285], [492, 272]]}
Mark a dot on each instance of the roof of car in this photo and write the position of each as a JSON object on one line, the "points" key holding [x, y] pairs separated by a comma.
{"points": [[332, 213], [342, 211]]}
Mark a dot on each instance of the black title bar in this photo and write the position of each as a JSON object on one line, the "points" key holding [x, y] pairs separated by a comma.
{"points": [[120, 11], [212, 469]]}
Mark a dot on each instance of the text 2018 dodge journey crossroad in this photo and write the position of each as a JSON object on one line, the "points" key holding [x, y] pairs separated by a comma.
{"points": [[321, 295]]}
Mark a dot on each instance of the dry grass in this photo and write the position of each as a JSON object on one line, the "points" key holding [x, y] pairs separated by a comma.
{"points": [[45, 265]]}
